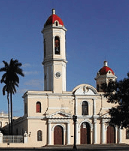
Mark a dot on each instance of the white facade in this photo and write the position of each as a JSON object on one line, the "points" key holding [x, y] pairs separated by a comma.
{"points": [[48, 114]]}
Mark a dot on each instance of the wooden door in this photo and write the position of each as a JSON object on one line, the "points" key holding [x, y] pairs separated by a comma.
{"points": [[85, 133], [111, 134], [58, 135]]}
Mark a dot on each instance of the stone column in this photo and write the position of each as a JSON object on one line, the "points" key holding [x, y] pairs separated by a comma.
{"points": [[75, 107], [94, 107], [1, 137], [25, 137], [95, 131], [68, 133], [116, 132], [103, 132], [49, 133], [77, 131], [119, 136]]}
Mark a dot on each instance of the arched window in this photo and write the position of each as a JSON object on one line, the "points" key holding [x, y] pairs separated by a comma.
{"points": [[39, 135], [56, 23], [16, 131], [84, 108], [0, 124], [25, 108], [38, 107], [44, 48], [22, 131], [127, 133], [98, 87], [57, 45]]}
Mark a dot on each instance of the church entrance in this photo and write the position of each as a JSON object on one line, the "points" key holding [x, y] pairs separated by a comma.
{"points": [[58, 135], [110, 134], [85, 133]]}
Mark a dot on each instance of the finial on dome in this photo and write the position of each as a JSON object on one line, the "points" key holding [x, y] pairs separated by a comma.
{"points": [[53, 11], [105, 63]]}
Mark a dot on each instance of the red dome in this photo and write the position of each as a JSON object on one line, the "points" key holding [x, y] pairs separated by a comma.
{"points": [[52, 19], [105, 70]]}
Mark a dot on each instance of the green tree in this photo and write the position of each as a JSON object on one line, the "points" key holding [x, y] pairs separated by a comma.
{"points": [[11, 80], [118, 92]]}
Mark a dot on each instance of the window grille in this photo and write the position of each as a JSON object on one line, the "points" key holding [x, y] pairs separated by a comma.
{"points": [[39, 135], [13, 139], [84, 108]]}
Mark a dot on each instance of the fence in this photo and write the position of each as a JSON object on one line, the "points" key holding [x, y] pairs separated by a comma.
{"points": [[13, 139]]}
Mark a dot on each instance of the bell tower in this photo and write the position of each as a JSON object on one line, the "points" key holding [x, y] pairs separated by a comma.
{"points": [[54, 54]]}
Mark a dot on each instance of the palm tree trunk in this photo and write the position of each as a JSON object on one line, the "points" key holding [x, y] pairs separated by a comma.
{"points": [[8, 113], [11, 113]]}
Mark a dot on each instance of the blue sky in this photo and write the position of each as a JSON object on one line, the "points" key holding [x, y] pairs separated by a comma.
{"points": [[98, 30]]}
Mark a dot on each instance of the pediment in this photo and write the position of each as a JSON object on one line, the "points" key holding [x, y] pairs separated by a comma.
{"points": [[84, 89], [60, 114]]}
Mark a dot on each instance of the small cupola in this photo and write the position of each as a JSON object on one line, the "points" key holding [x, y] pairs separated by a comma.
{"points": [[54, 20], [105, 69], [104, 75]]}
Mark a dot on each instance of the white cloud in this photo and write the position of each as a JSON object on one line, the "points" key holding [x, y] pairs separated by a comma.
{"points": [[22, 91], [31, 72], [1, 64], [26, 65], [34, 83]]}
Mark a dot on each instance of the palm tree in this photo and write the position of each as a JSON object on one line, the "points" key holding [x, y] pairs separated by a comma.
{"points": [[11, 80]]}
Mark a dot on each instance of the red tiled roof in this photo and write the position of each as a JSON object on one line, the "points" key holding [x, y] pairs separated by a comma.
{"points": [[52, 19], [104, 70]]}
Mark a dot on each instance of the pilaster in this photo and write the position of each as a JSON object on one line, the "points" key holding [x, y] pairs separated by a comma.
{"points": [[49, 133], [103, 132], [119, 136], [68, 133], [1, 137], [95, 132]]}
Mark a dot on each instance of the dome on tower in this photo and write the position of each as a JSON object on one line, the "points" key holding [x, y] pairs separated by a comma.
{"points": [[54, 18], [105, 69], [104, 75]]}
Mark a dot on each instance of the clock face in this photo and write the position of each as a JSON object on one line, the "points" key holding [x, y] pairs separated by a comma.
{"points": [[58, 74]]}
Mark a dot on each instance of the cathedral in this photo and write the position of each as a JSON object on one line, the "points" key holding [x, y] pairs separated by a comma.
{"points": [[48, 115]]}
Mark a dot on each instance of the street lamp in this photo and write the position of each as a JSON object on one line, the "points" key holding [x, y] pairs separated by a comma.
{"points": [[74, 120]]}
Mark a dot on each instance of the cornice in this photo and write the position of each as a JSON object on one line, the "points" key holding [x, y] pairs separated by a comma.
{"points": [[53, 59], [50, 27]]}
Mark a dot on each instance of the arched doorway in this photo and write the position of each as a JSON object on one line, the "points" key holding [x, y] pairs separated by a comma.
{"points": [[85, 133], [111, 134], [58, 135]]}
